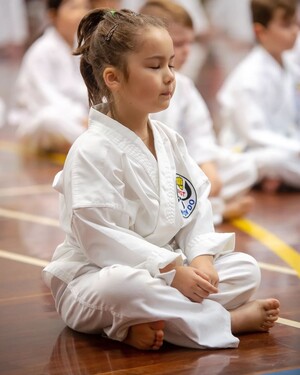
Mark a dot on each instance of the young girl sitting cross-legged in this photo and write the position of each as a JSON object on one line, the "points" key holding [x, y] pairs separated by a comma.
{"points": [[141, 261]]}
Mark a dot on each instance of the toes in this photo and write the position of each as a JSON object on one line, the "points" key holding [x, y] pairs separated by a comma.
{"points": [[158, 325], [272, 306]]}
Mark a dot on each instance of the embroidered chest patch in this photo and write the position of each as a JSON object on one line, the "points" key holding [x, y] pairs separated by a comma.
{"points": [[187, 197]]}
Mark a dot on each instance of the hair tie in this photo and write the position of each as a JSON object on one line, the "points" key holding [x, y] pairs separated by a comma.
{"points": [[109, 35]]}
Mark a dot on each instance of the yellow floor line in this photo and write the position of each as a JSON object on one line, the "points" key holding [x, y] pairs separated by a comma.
{"points": [[28, 217], [288, 254], [288, 322], [26, 190], [57, 158]]}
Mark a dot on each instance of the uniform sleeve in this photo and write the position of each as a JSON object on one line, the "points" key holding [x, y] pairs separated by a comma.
{"points": [[103, 235], [198, 236], [253, 124], [197, 129]]}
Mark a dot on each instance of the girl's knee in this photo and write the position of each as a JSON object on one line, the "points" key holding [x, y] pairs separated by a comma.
{"points": [[124, 283], [240, 269], [250, 270]]}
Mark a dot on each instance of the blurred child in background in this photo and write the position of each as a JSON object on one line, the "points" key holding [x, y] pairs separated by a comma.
{"points": [[50, 104], [230, 175], [257, 102]]}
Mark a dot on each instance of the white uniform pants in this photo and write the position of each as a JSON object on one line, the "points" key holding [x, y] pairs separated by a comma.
{"points": [[114, 298], [238, 175], [50, 128], [275, 163]]}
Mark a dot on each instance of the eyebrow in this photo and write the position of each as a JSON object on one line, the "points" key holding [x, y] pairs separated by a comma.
{"points": [[159, 57]]}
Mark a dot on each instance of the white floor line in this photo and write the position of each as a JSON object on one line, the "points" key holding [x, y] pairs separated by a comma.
{"points": [[28, 217], [280, 269], [23, 258], [288, 322], [26, 190]]}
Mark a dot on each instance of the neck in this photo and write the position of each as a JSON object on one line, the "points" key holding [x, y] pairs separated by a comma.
{"points": [[136, 122]]}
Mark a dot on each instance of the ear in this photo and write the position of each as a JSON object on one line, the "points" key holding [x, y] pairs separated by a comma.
{"points": [[52, 13], [112, 78], [259, 30]]}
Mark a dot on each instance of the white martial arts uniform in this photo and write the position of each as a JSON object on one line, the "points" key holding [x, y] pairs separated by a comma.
{"points": [[292, 59], [126, 215], [257, 107], [2, 112], [13, 23], [232, 22], [188, 115], [50, 96]]}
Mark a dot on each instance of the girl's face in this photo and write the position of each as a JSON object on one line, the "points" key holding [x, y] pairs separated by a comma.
{"points": [[68, 16], [151, 82]]}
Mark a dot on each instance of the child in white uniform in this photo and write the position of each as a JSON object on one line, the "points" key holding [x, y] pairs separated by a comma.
{"points": [[141, 261], [50, 98], [257, 100], [233, 34], [231, 175], [292, 60]]}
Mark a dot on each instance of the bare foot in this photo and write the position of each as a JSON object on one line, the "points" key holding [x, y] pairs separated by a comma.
{"points": [[146, 336], [238, 207], [270, 185], [255, 316]]}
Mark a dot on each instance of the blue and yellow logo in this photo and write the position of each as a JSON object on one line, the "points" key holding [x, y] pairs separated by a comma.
{"points": [[187, 197]]}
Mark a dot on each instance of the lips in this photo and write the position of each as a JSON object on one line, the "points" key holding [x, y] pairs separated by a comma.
{"points": [[167, 94]]}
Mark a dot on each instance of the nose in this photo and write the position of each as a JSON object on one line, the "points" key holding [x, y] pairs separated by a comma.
{"points": [[169, 75]]}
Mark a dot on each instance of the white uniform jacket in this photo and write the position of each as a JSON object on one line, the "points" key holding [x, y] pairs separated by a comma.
{"points": [[257, 105], [49, 79], [119, 205]]}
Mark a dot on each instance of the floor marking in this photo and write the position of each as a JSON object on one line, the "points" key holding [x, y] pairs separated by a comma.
{"points": [[288, 322], [11, 299], [26, 190], [57, 158], [23, 258], [280, 269], [272, 242], [28, 217]]}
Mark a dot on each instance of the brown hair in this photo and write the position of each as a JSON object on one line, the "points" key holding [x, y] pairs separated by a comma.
{"points": [[105, 37], [169, 11], [263, 10]]}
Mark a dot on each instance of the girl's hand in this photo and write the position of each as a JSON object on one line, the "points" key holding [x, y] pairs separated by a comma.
{"points": [[192, 283], [204, 264]]}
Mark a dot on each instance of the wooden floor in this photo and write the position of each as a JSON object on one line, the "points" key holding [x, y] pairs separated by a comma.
{"points": [[34, 340]]}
